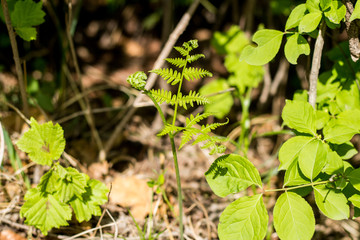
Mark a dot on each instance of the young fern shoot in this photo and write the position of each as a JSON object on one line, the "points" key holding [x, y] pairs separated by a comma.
{"points": [[177, 100]]}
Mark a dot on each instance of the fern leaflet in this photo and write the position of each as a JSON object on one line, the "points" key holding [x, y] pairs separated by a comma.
{"points": [[193, 58], [162, 96], [168, 129], [192, 73], [178, 62], [172, 76], [182, 51], [191, 98], [213, 126], [193, 120], [187, 135]]}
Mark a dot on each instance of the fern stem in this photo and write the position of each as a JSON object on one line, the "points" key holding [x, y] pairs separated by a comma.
{"points": [[157, 106], [178, 93], [178, 182]]}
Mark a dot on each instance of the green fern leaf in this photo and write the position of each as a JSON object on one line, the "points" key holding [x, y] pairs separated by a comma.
{"points": [[193, 58], [162, 96], [191, 98], [201, 138], [168, 129], [182, 51], [188, 135], [193, 120], [192, 73], [213, 126], [178, 62], [172, 76], [190, 45]]}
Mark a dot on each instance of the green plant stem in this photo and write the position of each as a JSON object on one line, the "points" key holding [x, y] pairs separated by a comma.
{"points": [[296, 187], [178, 182], [156, 105], [177, 95], [245, 121]]}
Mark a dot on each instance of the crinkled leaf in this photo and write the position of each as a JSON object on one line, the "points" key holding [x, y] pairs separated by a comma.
{"points": [[332, 203], [312, 158], [44, 143], [356, 13], [49, 182], [92, 198], [294, 176], [300, 116], [244, 219], [26, 33], [72, 184], [295, 16], [268, 44], [310, 22], [44, 211], [295, 46], [291, 149], [293, 217], [231, 173], [336, 13]]}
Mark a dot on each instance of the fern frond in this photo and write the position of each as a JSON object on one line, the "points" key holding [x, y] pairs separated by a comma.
{"points": [[213, 143], [168, 129], [172, 76], [193, 120], [184, 52], [190, 45], [192, 73], [187, 135], [212, 126], [178, 62], [193, 58], [191, 98], [162, 96]]}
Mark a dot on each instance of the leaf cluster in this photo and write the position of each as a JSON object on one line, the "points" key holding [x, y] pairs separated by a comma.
{"points": [[61, 189], [25, 15], [304, 19]]}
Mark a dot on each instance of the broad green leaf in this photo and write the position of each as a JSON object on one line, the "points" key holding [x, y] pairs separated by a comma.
{"points": [[354, 178], [295, 16], [244, 219], [26, 33], [291, 149], [295, 46], [349, 97], [322, 118], [356, 12], [232, 41], [345, 150], [294, 176], [355, 200], [268, 44], [44, 143], [332, 203], [313, 5], [89, 206], [220, 105], [325, 4], [232, 173], [310, 22], [72, 184], [300, 116], [350, 118], [293, 217], [334, 163], [336, 13], [338, 134], [49, 182], [44, 211], [312, 158]]}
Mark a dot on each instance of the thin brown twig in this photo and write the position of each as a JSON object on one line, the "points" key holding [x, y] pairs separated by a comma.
{"points": [[84, 102], [316, 63], [16, 57]]}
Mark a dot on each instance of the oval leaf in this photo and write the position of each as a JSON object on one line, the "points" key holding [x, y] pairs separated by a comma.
{"points": [[244, 219], [291, 149], [312, 158], [310, 22], [231, 174], [295, 16], [338, 134], [332, 203], [300, 116], [268, 44], [354, 178], [293, 217], [295, 46], [356, 12], [294, 176]]}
